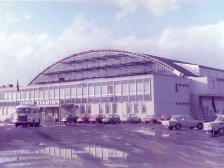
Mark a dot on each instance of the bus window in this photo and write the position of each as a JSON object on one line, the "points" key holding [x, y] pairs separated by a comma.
{"points": [[26, 110], [19, 111]]}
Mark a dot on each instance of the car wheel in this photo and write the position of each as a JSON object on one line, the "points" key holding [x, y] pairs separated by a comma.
{"points": [[178, 126], [170, 127], [17, 125], [191, 127], [221, 131], [200, 126], [214, 132]]}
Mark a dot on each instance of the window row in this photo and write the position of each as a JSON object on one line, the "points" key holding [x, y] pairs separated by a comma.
{"points": [[90, 90]]}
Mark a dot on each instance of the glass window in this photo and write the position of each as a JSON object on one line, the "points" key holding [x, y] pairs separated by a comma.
{"points": [[73, 91], [56, 92], [140, 87], [176, 87], [97, 89], [101, 110], [36, 93], [85, 90], [6, 111], [117, 86], [41, 93], [51, 93], [9, 96], [88, 108], [23, 95], [144, 108], [18, 95], [129, 107], [146, 86], [110, 88], [125, 88], [46, 93], [79, 90], [32, 94], [91, 89], [136, 107], [132, 87], [67, 91], [13, 96], [114, 108], [1, 97], [27, 94], [104, 89], [62, 92], [107, 107], [82, 109]]}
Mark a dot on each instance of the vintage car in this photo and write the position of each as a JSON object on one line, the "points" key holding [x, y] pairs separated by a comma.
{"points": [[215, 127], [97, 118], [112, 119], [179, 121], [83, 118], [151, 119], [130, 118], [70, 118]]}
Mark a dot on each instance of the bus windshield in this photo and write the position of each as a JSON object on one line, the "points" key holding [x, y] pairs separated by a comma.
{"points": [[23, 110]]}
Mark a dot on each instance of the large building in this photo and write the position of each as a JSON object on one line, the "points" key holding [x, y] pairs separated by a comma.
{"points": [[115, 81]]}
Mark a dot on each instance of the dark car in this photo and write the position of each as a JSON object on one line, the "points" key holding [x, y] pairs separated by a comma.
{"points": [[112, 118], [83, 118], [97, 118], [72, 118]]}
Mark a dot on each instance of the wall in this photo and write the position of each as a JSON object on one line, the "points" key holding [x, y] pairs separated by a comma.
{"points": [[168, 100]]}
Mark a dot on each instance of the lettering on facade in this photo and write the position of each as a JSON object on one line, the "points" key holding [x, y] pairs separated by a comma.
{"points": [[40, 102]]}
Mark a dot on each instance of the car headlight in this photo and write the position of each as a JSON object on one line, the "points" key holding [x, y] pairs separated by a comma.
{"points": [[207, 126]]}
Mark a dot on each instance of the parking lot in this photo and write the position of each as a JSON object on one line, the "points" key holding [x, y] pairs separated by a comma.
{"points": [[109, 145]]}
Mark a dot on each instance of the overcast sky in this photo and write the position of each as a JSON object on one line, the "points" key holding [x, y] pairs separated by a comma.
{"points": [[34, 35]]}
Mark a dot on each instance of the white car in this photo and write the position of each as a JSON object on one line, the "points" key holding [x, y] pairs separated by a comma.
{"points": [[150, 119], [215, 127], [179, 121]]}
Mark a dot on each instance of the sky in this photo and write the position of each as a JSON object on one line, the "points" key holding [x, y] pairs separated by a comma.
{"points": [[35, 34]]}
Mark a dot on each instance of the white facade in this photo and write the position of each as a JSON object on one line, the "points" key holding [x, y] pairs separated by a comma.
{"points": [[145, 94]]}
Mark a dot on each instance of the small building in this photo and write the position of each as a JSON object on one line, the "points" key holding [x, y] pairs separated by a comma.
{"points": [[122, 82]]}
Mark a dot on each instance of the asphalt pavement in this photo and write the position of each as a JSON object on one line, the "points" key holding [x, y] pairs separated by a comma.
{"points": [[108, 145]]}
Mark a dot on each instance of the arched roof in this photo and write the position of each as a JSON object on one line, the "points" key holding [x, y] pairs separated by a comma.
{"points": [[101, 63]]}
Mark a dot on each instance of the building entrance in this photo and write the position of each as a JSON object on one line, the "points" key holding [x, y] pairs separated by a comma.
{"points": [[50, 114]]}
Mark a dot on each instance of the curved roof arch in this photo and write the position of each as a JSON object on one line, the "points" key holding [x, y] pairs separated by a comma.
{"points": [[100, 63]]}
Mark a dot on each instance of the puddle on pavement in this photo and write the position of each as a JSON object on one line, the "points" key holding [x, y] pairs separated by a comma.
{"points": [[147, 132], [61, 157], [152, 132], [109, 156]]}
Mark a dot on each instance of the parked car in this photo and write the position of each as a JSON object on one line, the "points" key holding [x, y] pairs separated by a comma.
{"points": [[70, 118], [97, 118], [83, 118], [179, 121], [150, 119], [164, 117], [112, 118], [130, 118], [215, 127]]}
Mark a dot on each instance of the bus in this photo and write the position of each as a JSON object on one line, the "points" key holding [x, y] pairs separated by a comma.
{"points": [[27, 115]]}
